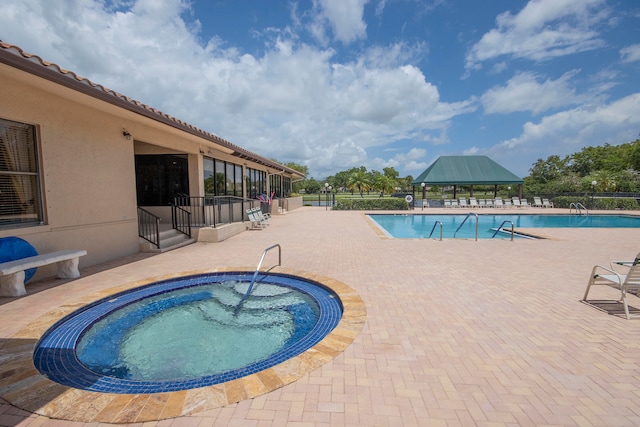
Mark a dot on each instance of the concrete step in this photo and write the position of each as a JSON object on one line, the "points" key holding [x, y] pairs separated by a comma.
{"points": [[169, 240]]}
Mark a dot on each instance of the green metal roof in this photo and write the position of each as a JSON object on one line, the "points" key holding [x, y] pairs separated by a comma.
{"points": [[455, 170]]}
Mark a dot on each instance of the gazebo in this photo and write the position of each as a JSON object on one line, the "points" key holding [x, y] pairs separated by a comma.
{"points": [[467, 170]]}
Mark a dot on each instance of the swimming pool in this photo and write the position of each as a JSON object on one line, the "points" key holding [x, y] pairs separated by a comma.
{"points": [[421, 225], [185, 333]]}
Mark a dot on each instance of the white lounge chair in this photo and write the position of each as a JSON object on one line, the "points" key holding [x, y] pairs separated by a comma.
{"points": [[473, 202], [546, 203], [256, 223], [454, 203], [516, 202], [498, 203], [524, 203], [447, 203], [482, 203], [489, 203], [463, 203], [627, 283], [537, 203]]}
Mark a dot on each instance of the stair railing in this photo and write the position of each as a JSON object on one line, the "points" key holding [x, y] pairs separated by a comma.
{"points": [[181, 220], [255, 275], [434, 227], [149, 227], [465, 220], [579, 206], [500, 228]]}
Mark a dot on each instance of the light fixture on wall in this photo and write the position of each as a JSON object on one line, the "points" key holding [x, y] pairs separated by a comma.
{"points": [[126, 134], [201, 151]]}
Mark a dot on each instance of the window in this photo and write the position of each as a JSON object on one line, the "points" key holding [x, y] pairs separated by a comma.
{"points": [[20, 198], [160, 178]]}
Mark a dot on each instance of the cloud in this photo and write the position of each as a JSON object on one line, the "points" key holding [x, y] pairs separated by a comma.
{"points": [[524, 92], [630, 53], [343, 17], [542, 30], [292, 101], [569, 131]]}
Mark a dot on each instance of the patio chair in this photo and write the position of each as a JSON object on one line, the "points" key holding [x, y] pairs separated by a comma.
{"points": [[261, 216], [256, 223], [454, 203], [482, 203], [537, 203], [498, 203], [473, 202], [524, 203], [463, 203], [507, 203], [546, 203], [628, 283], [516, 202], [447, 203]]}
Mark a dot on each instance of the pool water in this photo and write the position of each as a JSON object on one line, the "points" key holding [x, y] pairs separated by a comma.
{"points": [[186, 333], [420, 226]]}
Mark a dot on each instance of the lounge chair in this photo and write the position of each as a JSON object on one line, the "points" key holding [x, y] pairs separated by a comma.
{"points": [[256, 223], [507, 203], [482, 203], [628, 283], [546, 203], [463, 203], [524, 203], [447, 203], [489, 203], [498, 203], [516, 202], [454, 203], [261, 216], [537, 203], [473, 202]]}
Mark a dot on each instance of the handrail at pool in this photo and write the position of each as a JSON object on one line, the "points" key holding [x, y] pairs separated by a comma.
{"points": [[579, 206], [434, 227], [465, 220], [253, 280], [501, 225]]}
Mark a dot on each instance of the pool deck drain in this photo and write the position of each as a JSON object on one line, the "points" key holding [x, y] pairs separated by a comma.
{"points": [[23, 386]]}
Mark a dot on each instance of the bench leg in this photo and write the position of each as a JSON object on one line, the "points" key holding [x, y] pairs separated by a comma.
{"points": [[68, 269], [12, 285]]}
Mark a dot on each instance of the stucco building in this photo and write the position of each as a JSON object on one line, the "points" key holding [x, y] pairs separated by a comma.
{"points": [[78, 161]]}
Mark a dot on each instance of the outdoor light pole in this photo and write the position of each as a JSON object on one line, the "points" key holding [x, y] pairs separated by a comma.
{"points": [[327, 190], [509, 192], [593, 194], [423, 185]]}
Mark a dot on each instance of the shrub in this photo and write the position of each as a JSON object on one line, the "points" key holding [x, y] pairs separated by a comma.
{"points": [[600, 203], [359, 204]]}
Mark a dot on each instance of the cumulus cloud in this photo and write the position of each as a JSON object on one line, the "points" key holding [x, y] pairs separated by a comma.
{"points": [[569, 131], [292, 101], [630, 53], [343, 17], [542, 30], [524, 92]]}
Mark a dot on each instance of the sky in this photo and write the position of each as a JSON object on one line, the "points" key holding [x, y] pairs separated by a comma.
{"points": [[336, 84]]}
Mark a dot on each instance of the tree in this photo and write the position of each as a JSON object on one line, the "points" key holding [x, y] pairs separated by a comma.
{"points": [[312, 186], [359, 180], [383, 183]]}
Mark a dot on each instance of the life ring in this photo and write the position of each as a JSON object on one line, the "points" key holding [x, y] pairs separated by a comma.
{"points": [[408, 198]]}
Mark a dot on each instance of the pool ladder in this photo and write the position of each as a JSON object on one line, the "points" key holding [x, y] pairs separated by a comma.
{"points": [[255, 275], [465, 220], [579, 206]]}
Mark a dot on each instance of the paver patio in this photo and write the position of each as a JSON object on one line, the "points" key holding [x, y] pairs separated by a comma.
{"points": [[457, 332]]}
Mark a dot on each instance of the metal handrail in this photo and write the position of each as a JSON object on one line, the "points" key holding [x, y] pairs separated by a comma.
{"points": [[579, 206], [465, 220], [501, 225], [181, 220], [253, 280], [149, 227], [434, 227]]}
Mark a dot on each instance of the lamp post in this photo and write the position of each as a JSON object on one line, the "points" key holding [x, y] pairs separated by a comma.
{"points": [[327, 191], [423, 185], [509, 192], [593, 194]]}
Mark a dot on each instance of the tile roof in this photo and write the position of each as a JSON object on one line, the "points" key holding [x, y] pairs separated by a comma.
{"points": [[16, 57]]}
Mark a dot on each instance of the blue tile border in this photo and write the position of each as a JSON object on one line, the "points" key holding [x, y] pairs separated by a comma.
{"points": [[55, 355]]}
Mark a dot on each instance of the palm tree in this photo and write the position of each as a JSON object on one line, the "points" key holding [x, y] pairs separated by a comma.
{"points": [[384, 184], [360, 181]]}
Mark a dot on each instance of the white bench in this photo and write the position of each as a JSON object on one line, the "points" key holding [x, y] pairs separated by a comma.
{"points": [[12, 272]]}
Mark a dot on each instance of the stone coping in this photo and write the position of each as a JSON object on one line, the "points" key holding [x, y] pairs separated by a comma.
{"points": [[24, 387]]}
